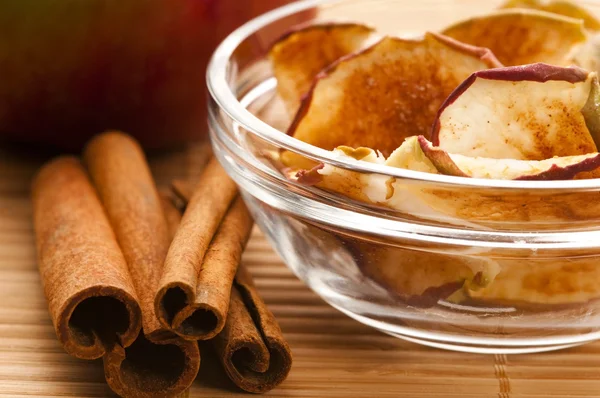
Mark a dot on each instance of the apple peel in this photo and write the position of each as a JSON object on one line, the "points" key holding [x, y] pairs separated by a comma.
{"points": [[300, 54], [383, 94], [522, 36], [530, 112]]}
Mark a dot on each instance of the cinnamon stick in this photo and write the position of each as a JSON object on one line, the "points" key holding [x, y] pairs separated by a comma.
{"points": [[158, 363], [251, 346], [194, 291], [172, 213], [91, 298]]}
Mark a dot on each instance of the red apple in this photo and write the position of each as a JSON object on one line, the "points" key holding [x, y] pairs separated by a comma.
{"points": [[72, 68]]}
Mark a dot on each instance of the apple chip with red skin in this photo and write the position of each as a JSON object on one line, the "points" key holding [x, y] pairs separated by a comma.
{"points": [[530, 112], [471, 207], [558, 168], [383, 94], [566, 8], [522, 36], [495, 208], [299, 55]]}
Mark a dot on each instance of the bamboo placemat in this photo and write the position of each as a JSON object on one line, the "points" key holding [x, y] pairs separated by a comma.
{"points": [[334, 356]]}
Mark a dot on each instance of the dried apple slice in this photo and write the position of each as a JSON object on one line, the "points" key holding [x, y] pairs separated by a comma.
{"points": [[494, 208], [380, 96], [369, 188], [423, 278], [521, 36], [565, 8], [419, 277], [543, 282], [531, 112], [357, 186], [498, 209], [471, 207], [559, 168], [299, 55], [587, 55]]}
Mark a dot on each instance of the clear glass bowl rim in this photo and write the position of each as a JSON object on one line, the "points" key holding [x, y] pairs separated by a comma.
{"points": [[225, 98]]}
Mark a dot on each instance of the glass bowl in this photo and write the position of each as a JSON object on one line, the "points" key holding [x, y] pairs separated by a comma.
{"points": [[474, 265]]}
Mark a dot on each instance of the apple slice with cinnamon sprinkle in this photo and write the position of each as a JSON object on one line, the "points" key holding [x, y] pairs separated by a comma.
{"points": [[530, 112], [522, 36], [299, 55], [383, 94]]}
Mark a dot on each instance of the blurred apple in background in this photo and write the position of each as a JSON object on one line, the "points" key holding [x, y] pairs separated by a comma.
{"points": [[72, 68]]}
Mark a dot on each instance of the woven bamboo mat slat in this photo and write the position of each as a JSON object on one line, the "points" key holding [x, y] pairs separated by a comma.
{"points": [[334, 356]]}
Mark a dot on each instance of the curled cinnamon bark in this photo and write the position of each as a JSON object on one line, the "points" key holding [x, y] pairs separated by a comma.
{"points": [[251, 347], [158, 363], [220, 263], [193, 295], [91, 298], [164, 367]]}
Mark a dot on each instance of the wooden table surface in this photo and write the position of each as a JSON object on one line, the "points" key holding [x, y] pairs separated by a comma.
{"points": [[334, 356]]}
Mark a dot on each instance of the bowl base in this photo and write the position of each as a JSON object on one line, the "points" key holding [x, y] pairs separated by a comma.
{"points": [[444, 342]]}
